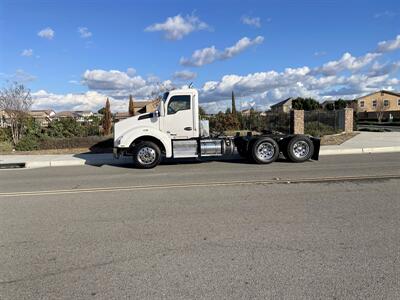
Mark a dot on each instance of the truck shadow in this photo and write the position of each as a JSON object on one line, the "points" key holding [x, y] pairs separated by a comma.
{"points": [[106, 159]]}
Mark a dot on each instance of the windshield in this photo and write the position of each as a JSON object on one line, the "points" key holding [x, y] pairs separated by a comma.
{"points": [[165, 96]]}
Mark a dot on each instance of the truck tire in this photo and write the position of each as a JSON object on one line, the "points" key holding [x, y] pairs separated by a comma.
{"points": [[299, 149], [146, 155], [264, 151]]}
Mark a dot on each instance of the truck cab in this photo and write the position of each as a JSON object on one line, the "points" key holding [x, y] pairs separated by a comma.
{"points": [[174, 130]]}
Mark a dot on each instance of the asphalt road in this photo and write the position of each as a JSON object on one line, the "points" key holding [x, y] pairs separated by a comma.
{"points": [[216, 230]]}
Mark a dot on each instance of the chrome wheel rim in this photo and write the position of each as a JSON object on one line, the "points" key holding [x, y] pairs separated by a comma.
{"points": [[265, 151], [146, 155], [301, 149]]}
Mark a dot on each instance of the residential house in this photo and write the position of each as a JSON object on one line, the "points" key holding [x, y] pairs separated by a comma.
{"points": [[43, 117], [78, 115], [139, 107], [246, 112], [64, 115], [282, 107], [83, 116], [349, 104], [119, 116], [327, 103], [381, 102]]}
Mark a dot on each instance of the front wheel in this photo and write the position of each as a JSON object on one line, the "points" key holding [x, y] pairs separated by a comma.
{"points": [[299, 149], [146, 155], [264, 151]]}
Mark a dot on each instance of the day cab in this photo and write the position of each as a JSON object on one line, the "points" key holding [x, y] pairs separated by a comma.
{"points": [[175, 130]]}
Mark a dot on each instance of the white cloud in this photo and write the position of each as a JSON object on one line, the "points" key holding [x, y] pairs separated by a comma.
{"points": [[19, 76], [119, 84], [346, 62], [175, 28], [90, 100], [391, 45], [240, 46], [251, 21], [46, 33], [131, 72], [84, 32], [320, 53], [378, 69], [266, 88], [201, 57], [386, 14], [208, 55], [347, 77], [184, 75], [111, 80], [27, 52]]}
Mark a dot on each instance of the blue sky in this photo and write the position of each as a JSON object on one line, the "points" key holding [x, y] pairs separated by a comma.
{"points": [[73, 54]]}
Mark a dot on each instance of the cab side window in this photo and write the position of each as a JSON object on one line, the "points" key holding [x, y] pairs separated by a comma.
{"points": [[177, 103]]}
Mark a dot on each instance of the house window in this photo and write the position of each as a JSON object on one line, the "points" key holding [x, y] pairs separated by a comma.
{"points": [[374, 103], [398, 102], [385, 103], [362, 103]]}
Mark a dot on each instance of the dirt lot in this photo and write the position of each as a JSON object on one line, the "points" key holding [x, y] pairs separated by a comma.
{"points": [[337, 139]]}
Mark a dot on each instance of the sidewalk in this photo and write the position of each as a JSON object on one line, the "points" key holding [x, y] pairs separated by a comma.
{"points": [[365, 142], [56, 160]]}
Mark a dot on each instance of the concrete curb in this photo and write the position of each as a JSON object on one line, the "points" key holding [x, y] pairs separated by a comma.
{"points": [[366, 150], [29, 164]]}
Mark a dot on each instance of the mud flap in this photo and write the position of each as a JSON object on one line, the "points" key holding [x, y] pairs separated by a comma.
{"points": [[317, 145]]}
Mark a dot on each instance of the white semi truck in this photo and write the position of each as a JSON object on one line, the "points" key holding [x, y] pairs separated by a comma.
{"points": [[174, 130]]}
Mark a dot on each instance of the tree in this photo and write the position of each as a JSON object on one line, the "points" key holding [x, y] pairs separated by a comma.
{"points": [[233, 103], [221, 122], [305, 104], [202, 112], [101, 110], [330, 106], [340, 104], [16, 101], [380, 109], [131, 108], [107, 119]]}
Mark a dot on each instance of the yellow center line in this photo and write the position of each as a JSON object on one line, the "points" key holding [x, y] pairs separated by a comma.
{"points": [[198, 184]]}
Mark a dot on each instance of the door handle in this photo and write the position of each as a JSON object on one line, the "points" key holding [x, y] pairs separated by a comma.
{"points": [[188, 128]]}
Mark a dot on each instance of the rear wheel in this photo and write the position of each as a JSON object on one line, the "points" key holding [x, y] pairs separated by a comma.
{"points": [[146, 155], [264, 151], [299, 149]]}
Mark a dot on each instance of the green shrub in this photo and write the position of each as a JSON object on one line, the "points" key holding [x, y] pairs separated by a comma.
{"points": [[65, 128], [6, 146], [76, 142], [28, 143], [32, 128], [319, 129], [5, 135]]}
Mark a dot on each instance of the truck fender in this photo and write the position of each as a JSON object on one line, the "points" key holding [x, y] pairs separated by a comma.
{"points": [[130, 136]]}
